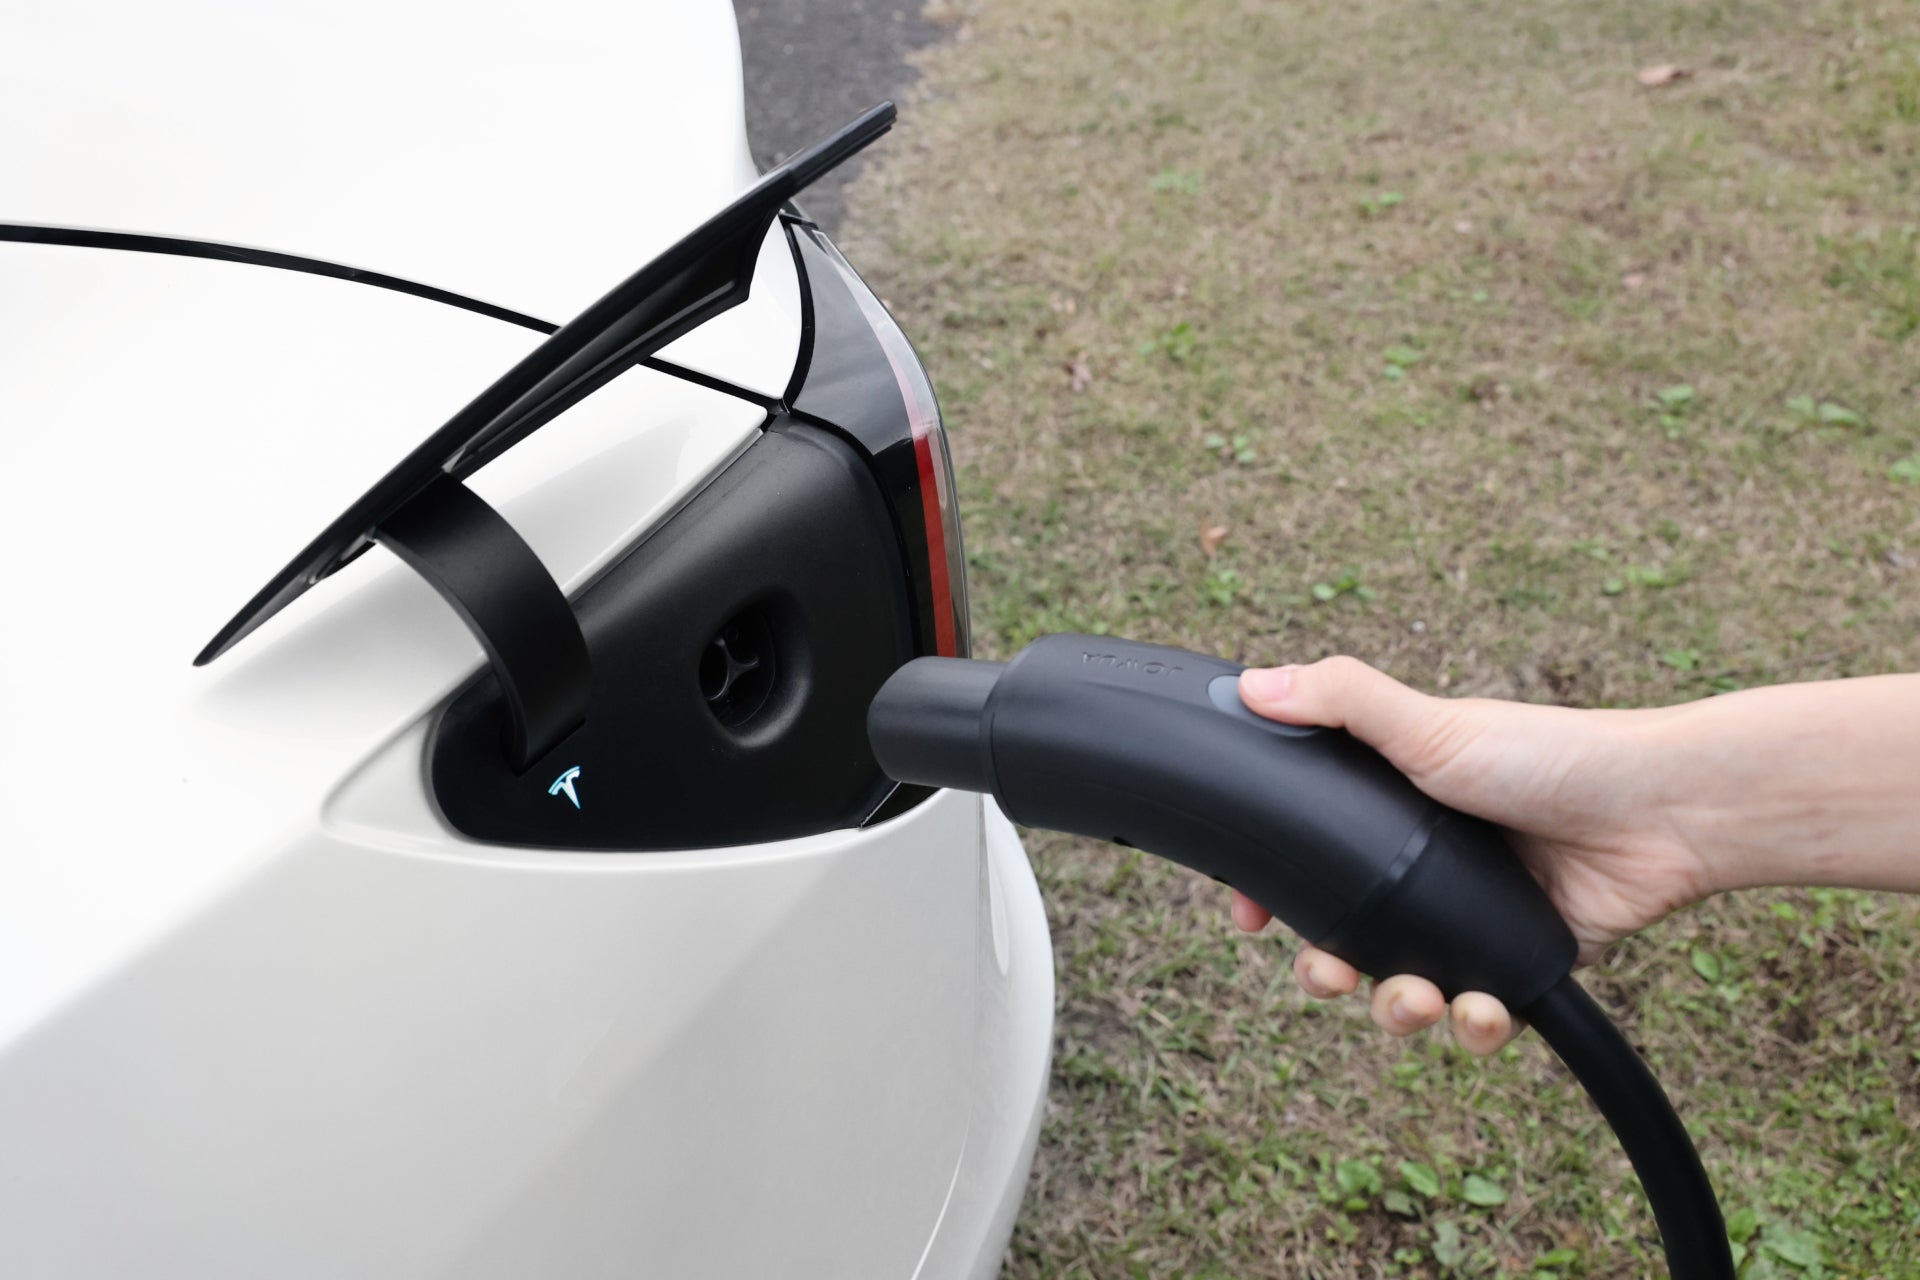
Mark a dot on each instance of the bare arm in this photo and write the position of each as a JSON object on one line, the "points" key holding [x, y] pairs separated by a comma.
{"points": [[1805, 784], [1626, 816]]}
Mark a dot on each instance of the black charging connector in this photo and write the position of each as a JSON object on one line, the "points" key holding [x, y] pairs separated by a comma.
{"points": [[1152, 747]]}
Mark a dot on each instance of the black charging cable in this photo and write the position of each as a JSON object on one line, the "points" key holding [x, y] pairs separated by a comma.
{"points": [[1657, 1145]]}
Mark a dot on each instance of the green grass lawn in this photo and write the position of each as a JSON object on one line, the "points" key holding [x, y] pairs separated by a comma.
{"points": [[1514, 377]]}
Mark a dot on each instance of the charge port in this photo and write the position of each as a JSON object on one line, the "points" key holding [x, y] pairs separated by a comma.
{"points": [[738, 669]]}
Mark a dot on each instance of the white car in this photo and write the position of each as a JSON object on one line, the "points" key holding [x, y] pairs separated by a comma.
{"points": [[528, 902]]}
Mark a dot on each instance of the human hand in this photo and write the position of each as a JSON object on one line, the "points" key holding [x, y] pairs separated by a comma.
{"points": [[1587, 799]]}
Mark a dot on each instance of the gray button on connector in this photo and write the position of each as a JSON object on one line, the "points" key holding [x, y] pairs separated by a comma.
{"points": [[1224, 693]]}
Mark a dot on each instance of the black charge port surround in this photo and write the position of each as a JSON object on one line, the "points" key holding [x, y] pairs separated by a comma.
{"points": [[792, 544], [735, 648]]}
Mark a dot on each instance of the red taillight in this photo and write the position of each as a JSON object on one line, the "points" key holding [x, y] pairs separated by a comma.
{"points": [[933, 481], [946, 567]]}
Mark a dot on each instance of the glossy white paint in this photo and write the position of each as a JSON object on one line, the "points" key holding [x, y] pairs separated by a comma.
{"points": [[384, 1054], [529, 154], [261, 1012], [169, 452]]}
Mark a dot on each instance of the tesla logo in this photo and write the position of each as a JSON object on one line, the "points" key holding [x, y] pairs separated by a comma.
{"points": [[1118, 663], [563, 785]]}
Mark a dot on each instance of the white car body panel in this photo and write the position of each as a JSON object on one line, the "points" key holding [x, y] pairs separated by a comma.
{"points": [[261, 1011], [528, 155]]}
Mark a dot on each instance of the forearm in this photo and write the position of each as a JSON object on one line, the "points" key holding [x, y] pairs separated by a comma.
{"points": [[1803, 784]]}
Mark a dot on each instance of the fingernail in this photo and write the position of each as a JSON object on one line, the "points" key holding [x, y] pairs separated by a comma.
{"points": [[1479, 1026], [1267, 684], [1315, 985], [1398, 1010]]}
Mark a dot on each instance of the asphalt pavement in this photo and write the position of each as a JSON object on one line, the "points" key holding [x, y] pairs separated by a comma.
{"points": [[812, 65]]}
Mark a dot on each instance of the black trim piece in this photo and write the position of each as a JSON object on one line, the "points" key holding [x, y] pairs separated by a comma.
{"points": [[803, 355], [217, 251], [844, 383], [849, 385], [247, 255], [711, 383], [486, 571], [707, 272]]}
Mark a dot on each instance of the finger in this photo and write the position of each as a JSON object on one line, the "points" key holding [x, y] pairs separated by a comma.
{"points": [[1404, 1004], [1248, 914], [1481, 1023], [1324, 976], [1342, 693]]}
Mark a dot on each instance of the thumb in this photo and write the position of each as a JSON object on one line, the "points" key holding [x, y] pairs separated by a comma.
{"points": [[1346, 693]]}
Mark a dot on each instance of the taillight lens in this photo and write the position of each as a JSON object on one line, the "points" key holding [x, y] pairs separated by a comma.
{"points": [[941, 581]]}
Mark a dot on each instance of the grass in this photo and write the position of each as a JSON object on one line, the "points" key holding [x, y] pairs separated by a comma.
{"points": [[1515, 378]]}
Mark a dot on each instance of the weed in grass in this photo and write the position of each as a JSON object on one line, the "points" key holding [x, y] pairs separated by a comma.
{"points": [[1236, 448], [1420, 1177], [1484, 1192], [1548, 1265], [1825, 413], [1176, 344], [1706, 964], [1358, 1181], [1673, 405], [1450, 1248], [1347, 584], [1593, 548], [1653, 577], [1222, 586], [1399, 359], [1186, 184], [1374, 205]]}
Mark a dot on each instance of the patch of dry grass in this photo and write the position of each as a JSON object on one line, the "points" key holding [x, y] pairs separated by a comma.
{"points": [[1513, 377]]}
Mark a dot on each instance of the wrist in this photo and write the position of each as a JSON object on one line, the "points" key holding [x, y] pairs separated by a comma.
{"points": [[1682, 797], [1700, 812]]}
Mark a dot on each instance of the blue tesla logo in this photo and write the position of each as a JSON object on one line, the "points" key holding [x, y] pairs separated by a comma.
{"points": [[564, 784]]}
